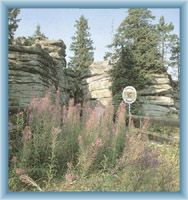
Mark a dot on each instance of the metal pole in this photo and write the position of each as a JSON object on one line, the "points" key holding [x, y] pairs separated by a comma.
{"points": [[129, 108], [129, 116]]}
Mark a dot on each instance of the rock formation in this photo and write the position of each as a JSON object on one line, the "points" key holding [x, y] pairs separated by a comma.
{"points": [[56, 49], [39, 67], [157, 98], [35, 69], [98, 83]]}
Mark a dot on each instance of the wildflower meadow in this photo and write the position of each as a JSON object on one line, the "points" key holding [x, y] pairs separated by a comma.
{"points": [[55, 148]]}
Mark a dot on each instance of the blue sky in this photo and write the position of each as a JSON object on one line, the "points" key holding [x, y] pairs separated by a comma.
{"points": [[59, 24]]}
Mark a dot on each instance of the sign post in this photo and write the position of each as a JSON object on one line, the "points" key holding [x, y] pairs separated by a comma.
{"points": [[129, 96]]}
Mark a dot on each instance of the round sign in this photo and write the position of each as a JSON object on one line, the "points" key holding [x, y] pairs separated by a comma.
{"points": [[129, 94]]}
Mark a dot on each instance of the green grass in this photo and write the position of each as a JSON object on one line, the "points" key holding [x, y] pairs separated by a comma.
{"points": [[129, 178]]}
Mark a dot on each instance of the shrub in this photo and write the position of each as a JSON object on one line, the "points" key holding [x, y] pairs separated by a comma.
{"points": [[55, 144], [47, 145]]}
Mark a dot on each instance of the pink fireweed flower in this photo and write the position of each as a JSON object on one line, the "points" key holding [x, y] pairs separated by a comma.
{"points": [[71, 103], [92, 121], [44, 104], [30, 118], [58, 97], [98, 142], [41, 104], [14, 159], [34, 103], [114, 129], [71, 112], [20, 171], [80, 140], [55, 131], [69, 177], [121, 114], [20, 113], [69, 165], [99, 110], [27, 133]]}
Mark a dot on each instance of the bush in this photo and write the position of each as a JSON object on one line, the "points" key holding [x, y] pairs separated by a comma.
{"points": [[53, 143]]}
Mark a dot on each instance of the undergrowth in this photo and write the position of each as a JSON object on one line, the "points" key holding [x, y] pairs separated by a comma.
{"points": [[55, 149]]}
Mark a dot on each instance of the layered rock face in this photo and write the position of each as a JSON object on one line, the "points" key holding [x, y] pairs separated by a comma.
{"points": [[157, 98], [176, 94], [65, 78], [35, 69], [56, 49], [98, 83]]}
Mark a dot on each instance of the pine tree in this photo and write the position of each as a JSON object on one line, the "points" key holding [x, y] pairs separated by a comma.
{"points": [[138, 31], [164, 31], [135, 51], [175, 53], [38, 32], [81, 46], [12, 23]]}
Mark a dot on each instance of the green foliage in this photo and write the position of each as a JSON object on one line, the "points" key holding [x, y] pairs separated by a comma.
{"points": [[149, 168], [81, 46], [15, 135], [140, 47], [139, 34], [26, 41], [124, 74], [12, 23], [92, 154], [175, 57], [44, 148], [164, 30], [83, 55], [134, 52], [30, 40], [38, 32], [175, 53]]}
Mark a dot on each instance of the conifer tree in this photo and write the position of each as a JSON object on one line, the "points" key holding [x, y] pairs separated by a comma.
{"points": [[175, 54], [12, 23], [137, 38], [38, 32], [164, 31], [82, 46]]}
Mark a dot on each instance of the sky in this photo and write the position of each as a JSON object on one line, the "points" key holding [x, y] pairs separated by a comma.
{"points": [[59, 24]]}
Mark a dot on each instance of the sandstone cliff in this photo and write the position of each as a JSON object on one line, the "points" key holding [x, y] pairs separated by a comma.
{"points": [[157, 99], [98, 83], [35, 69]]}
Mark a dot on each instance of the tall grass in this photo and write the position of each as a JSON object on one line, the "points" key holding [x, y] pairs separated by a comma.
{"points": [[54, 143]]}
